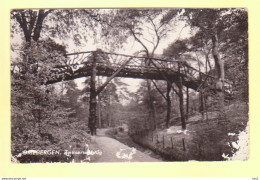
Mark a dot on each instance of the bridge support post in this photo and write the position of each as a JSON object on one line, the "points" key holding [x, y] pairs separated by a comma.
{"points": [[180, 87], [93, 97], [168, 99]]}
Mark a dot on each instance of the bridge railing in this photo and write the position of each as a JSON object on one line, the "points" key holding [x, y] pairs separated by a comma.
{"points": [[72, 62]]}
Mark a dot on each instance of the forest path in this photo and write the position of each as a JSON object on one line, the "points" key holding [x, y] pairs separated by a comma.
{"points": [[114, 151]]}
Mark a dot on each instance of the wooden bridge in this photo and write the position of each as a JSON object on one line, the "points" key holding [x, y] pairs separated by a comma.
{"points": [[120, 65], [99, 63]]}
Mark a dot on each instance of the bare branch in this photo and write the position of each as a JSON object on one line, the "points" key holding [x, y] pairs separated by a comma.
{"points": [[138, 40], [159, 90]]}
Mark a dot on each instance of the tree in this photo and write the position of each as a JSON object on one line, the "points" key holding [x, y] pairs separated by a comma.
{"points": [[70, 99], [138, 23], [59, 22], [210, 22], [175, 50], [33, 104], [211, 27], [235, 52], [109, 98], [31, 22]]}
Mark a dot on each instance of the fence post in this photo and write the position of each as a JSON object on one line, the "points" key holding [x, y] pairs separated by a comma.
{"points": [[152, 137], [163, 141], [183, 144], [172, 142]]}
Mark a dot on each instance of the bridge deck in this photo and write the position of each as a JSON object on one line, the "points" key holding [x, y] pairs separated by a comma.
{"points": [[127, 72]]}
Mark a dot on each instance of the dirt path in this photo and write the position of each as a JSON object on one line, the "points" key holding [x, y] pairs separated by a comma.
{"points": [[114, 151]]}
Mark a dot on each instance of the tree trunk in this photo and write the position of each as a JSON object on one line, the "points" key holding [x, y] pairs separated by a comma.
{"points": [[219, 64], [207, 62], [107, 117], [152, 115], [205, 97], [109, 111], [206, 107], [21, 19], [38, 25], [202, 105], [99, 107], [99, 112], [168, 98], [93, 98], [33, 27], [187, 102], [180, 87], [183, 123]]}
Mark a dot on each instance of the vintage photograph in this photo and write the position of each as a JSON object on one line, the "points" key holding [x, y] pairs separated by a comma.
{"points": [[129, 85]]}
